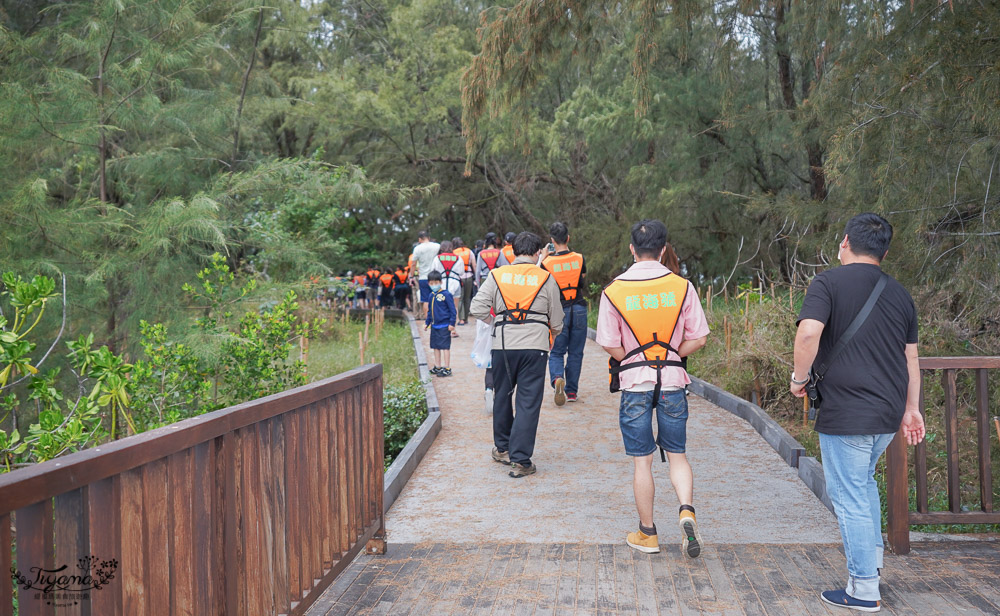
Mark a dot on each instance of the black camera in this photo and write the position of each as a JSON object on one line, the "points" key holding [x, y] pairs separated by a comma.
{"points": [[812, 392]]}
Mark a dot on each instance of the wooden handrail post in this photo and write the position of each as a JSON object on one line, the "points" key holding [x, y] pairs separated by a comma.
{"points": [[897, 501]]}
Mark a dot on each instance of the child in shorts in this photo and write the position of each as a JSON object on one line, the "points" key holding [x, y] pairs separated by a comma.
{"points": [[441, 316]]}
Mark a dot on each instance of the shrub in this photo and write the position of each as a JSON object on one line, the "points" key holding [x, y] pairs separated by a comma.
{"points": [[405, 409]]}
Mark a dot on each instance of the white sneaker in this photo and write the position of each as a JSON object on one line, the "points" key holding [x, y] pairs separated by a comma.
{"points": [[488, 397]]}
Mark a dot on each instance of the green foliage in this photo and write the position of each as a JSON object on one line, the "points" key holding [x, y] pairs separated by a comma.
{"points": [[170, 382], [405, 409]]}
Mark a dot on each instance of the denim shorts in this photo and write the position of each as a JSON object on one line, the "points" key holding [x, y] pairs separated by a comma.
{"points": [[636, 420]]}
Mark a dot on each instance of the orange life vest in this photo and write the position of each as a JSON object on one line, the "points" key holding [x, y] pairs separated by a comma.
{"points": [[508, 251], [401, 276], [359, 279], [386, 279], [449, 261], [490, 256], [373, 275], [566, 269], [465, 254], [651, 309], [519, 285]]}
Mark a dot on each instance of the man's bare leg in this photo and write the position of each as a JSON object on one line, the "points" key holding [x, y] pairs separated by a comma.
{"points": [[681, 477], [644, 489]]}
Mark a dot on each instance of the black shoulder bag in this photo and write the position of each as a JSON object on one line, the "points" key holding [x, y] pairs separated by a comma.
{"points": [[816, 374]]}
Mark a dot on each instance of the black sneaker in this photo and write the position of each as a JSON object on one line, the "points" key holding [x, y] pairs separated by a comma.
{"points": [[444, 372], [435, 370]]}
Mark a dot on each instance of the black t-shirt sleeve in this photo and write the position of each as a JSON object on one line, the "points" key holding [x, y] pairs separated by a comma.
{"points": [[914, 326], [818, 302]]}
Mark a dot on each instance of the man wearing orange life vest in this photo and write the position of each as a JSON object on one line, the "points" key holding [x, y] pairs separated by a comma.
{"points": [[569, 270], [526, 301], [467, 264], [489, 258], [651, 318], [401, 289], [387, 285], [360, 291], [372, 276]]}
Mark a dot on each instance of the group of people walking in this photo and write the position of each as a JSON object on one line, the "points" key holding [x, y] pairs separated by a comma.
{"points": [[855, 351]]}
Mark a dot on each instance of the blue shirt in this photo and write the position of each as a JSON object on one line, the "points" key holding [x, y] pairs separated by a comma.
{"points": [[441, 310]]}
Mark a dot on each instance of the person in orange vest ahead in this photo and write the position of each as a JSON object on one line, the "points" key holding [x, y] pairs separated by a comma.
{"points": [[569, 270], [360, 290], [401, 288], [649, 319], [466, 277], [372, 280], [508, 246], [387, 284], [525, 299]]}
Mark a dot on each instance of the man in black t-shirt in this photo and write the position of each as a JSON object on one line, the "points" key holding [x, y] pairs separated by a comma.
{"points": [[869, 391]]}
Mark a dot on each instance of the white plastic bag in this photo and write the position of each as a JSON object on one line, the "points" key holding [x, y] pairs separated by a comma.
{"points": [[483, 346]]}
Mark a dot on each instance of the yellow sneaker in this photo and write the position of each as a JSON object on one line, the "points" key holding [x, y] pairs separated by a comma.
{"points": [[692, 538], [643, 542]]}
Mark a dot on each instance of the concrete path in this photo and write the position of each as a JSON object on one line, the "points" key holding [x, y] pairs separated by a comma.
{"points": [[744, 492]]}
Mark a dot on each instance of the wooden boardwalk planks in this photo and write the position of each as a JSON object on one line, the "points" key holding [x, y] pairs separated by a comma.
{"points": [[506, 578]]}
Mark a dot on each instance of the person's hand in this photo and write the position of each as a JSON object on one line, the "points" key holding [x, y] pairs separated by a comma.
{"points": [[544, 254], [451, 328], [913, 427], [797, 390]]}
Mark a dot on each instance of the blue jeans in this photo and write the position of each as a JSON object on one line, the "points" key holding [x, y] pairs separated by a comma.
{"points": [[572, 338], [635, 418], [849, 467]]}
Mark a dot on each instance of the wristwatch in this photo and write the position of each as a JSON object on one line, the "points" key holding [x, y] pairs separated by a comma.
{"points": [[802, 382]]}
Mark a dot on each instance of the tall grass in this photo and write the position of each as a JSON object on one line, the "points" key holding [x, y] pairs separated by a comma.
{"points": [[336, 350]]}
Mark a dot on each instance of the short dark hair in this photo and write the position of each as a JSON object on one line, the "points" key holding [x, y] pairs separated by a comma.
{"points": [[457, 242], [509, 238], [490, 239], [559, 232], [445, 247], [869, 235], [422, 235], [479, 245], [649, 236], [434, 276], [526, 244]]}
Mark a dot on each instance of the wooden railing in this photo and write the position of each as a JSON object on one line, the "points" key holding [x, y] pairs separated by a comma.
{"points": [[251, 510], [900, 518]]}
